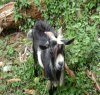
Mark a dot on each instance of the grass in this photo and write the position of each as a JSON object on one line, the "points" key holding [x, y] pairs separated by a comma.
{"points": [[13, 44], [5, 1], [9, 53]]}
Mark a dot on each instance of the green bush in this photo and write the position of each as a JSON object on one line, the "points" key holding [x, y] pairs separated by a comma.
{"points": [[4, 1], [26, 22], [82, 22]]}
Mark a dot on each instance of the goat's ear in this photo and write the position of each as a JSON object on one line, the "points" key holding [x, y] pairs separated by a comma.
{"points": [[67, 42], [44, 46], [29, 34]]}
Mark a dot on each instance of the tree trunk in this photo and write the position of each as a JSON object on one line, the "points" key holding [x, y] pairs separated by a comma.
{"points": [[7, 13]]}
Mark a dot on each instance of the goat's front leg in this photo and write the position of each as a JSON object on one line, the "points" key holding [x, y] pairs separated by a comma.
{"points": [[61, 81], [50, 87]]}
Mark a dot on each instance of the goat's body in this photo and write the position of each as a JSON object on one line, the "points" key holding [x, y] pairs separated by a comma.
{"points": [[46, 60], [44, 57]]}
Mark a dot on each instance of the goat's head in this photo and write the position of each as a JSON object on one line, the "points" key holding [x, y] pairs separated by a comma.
{"points": [[56, 46]]}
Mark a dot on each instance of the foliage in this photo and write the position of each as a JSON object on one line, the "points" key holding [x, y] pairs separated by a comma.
{"points": [[10, 50], [82, 22], [4, 1], [26, 22], [81, 18]]}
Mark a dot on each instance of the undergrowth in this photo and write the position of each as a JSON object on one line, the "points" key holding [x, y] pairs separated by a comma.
{"points": [[81, 20]]}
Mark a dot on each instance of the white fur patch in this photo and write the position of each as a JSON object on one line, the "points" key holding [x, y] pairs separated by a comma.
{"points": [[60, 58], [39, 52], [59, 38]]}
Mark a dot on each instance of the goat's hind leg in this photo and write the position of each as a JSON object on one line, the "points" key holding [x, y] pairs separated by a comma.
{"points": [[35, 65], [35, 70], [61, 81]]}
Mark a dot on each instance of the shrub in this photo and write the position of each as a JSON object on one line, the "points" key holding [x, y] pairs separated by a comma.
{"points": [[82, 20], [26, 22]]}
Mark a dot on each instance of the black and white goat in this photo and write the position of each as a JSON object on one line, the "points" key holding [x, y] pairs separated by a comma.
{"points": [[48, 51]]}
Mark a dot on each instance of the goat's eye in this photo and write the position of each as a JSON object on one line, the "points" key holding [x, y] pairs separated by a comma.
{"points": [[53, 43]]}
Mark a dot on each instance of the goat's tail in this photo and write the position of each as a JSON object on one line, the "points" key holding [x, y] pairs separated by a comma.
{"points": [[40, 26]]}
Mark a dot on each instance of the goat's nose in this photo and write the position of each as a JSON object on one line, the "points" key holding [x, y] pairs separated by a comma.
{"points": [[61, 63], [47, 44]]}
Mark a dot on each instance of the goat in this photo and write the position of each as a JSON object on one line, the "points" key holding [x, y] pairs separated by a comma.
{"points": [[48, 51]]}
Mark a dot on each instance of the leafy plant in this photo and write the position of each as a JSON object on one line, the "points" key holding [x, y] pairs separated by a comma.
{"points": [[9, 50], [26, 22], [4, 2], [80, 24], [82, 20]]}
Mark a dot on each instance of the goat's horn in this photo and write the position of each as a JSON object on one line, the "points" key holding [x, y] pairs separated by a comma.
{"points": [[60, 31], [50, 35]]}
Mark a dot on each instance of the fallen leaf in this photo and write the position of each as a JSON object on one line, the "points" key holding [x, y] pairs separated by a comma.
{"points": [[69, 72], [13, 80], [30, 91], [1, 64], [7, 68], [92, 76], [1, 78]]}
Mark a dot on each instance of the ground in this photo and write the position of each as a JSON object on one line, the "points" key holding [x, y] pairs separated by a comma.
{"points": [[16, 68], [17, 76]]}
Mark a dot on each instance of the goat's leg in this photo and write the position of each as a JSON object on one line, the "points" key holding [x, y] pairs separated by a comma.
{"points": [[50, 87], [52, 90], [35, 70], [35, 64], [61, 81]]}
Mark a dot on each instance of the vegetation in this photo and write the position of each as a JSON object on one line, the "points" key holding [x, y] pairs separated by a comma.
{"points": [[4, 1], [81, 19], [26, 22]]}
